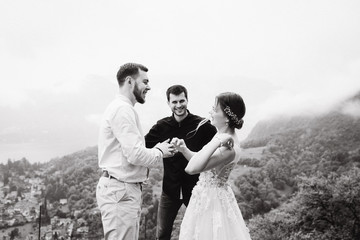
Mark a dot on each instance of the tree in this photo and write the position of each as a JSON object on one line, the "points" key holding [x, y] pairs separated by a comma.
{"points": [[331, 203], [325, 207], [6, 177], [95, 225], [14, 233], [19, 192]]}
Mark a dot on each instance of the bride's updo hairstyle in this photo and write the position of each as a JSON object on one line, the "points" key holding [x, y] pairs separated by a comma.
{"points": [[234, 108]]}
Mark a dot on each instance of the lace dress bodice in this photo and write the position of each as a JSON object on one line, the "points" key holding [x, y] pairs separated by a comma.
{"points": [[213, 184], [213, 213], [213, 179]]}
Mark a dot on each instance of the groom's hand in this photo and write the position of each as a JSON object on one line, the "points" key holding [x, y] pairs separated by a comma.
{"points": [[167, 149]]}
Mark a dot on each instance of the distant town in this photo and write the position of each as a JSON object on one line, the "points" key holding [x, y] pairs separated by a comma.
{"points": [[26, 214]]}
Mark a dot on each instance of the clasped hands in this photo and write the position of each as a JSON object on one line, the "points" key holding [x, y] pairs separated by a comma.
{"points": [[222, 139], [178, 145], [167, 148], [170, 148]]}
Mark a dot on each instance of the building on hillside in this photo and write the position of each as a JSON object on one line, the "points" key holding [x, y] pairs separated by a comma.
{"points": [[64, 221], [35, 181], [77, 213], [19, 219], [82, 230], [64, 208], [81, 222]]}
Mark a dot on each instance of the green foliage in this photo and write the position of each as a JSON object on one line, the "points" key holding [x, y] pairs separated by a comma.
{"points": [[253, 143], [15, 233], [329, 143], [149, 214], [95, 225], [276, 225], [325, 207], [310, 169], [251, 162], [331, 202], [75, 177], [20, 167]]}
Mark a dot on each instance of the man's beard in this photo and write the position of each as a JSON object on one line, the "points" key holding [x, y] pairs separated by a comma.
{"points": [[137, 94]]}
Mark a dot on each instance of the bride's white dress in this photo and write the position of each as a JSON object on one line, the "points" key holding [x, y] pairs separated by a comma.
{"points": [[213, 213]]}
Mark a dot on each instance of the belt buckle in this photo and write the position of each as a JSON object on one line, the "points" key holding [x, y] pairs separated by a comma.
{"points": [[106, 174]]}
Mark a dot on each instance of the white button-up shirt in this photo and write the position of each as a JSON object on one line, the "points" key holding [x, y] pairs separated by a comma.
{"points": [[121, 145]]}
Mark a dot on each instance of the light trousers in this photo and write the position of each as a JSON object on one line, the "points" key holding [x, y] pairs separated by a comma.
{"points": [[120, 207]]}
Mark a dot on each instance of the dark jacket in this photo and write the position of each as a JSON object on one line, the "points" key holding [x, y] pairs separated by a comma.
{"points": [[175, 178]]}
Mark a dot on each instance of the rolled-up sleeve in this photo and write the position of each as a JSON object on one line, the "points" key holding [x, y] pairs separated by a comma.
{"points": [[125, 126]]}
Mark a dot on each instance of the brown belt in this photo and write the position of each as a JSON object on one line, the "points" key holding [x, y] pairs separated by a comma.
{"points": [[107, 175]]}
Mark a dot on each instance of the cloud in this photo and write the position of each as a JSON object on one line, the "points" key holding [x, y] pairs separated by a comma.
{"points": [[323, 98], [94, 119], [352, 108], [11, 130], [13, 97]]}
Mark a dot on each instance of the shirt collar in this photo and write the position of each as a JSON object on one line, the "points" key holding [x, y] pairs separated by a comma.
{"points": [[123, 98]]}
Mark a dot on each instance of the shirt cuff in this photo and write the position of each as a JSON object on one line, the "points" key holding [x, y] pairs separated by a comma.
{"points": [[162, 154]]}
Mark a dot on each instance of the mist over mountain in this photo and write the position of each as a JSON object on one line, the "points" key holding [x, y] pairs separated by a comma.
{"points": [[306, 185], [342, 122]]}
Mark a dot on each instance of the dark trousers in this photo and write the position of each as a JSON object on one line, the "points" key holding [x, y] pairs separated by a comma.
{"points": [[168, 209]]}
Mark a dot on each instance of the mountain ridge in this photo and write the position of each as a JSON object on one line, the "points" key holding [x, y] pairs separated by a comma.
{"points": [[345, 111]]}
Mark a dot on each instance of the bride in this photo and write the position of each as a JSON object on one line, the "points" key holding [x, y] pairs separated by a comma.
{"points": [[213, 213]]}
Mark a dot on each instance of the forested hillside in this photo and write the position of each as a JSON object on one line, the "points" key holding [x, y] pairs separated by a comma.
{"points": [[298, 178], [308, 184], [75, 176]]}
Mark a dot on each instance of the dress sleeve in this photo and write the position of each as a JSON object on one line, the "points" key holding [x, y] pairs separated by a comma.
{"points": [[131, 141]]}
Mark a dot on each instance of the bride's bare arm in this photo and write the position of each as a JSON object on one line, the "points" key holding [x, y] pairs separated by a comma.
{"points": [[210, 156], [217, 152], [180, 146]]}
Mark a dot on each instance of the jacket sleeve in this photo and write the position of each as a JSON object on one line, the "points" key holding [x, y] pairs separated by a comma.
{"points": [[207, 133], [153, 136], [132, 143]]}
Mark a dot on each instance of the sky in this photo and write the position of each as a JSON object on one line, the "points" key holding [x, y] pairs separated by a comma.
{"points": [[59, 61]]}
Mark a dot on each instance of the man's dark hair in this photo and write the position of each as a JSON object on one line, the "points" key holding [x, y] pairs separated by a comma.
{"points": [[176, 90], [129, 69]]}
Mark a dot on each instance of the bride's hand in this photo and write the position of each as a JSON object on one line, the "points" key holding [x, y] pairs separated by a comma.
{"points": [[179, 144], [225, 140]]}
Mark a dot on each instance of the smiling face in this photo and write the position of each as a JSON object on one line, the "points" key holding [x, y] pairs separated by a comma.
{"points": [[218, 117], [141, 86], [178, 105]]}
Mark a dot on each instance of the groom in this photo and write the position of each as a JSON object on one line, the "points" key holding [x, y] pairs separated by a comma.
{"points": [[177, 185], [123, 158]]}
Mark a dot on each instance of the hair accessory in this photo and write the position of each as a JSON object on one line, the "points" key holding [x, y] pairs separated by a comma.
{"points": [[232, 115]]}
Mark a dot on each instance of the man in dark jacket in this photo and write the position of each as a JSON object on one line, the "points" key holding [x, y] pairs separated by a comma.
{"points": [[177, 185]]}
